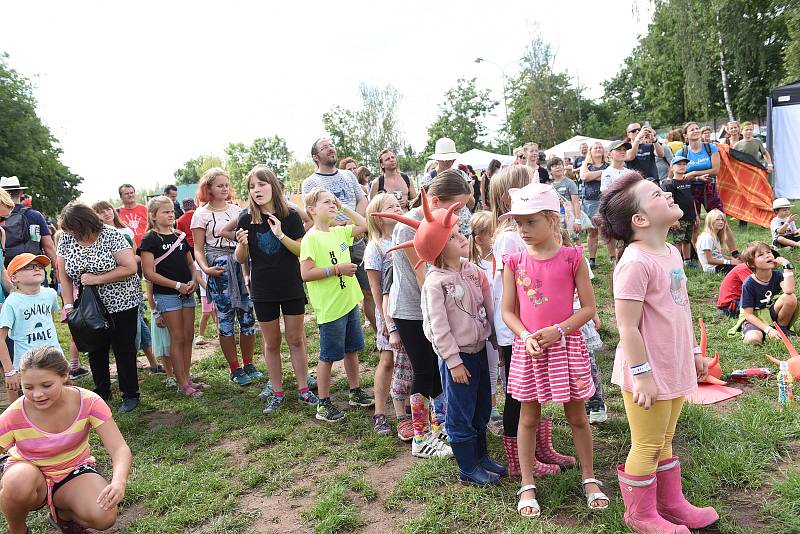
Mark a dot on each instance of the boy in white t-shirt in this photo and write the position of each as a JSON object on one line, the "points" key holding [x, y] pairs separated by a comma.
{"points": [[783, 227]]}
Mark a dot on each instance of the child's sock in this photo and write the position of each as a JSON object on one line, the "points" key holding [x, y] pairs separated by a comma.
{"points": [[278, 394], [233, 365], [419, 416], [434, 420], [246, 360], [74, 363], [302, 391]]}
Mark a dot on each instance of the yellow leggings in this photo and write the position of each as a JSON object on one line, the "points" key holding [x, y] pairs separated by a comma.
{"points": [[651, 433]]}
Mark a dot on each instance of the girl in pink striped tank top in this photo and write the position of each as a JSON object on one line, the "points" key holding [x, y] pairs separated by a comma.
{"points": [[549, 360]]}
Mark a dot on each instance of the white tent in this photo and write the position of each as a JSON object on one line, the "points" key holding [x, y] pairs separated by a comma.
{"points": [[783, 138], [572, 147], [479, 159]]}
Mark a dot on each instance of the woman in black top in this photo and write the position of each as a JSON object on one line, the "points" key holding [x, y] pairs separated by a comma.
{"points": [[168, 264], [269, 235], [591, 170]]}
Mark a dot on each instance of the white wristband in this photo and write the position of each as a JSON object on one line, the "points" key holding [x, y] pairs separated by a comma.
{"points": [[768, 329], [641, 369], [788, 273], [178, 285], [68, 306], [697, 350], [524, 335], [11, 373]]}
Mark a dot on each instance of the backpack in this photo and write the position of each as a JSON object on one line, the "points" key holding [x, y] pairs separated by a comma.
{"points": [[18, 236], [381, 184]]}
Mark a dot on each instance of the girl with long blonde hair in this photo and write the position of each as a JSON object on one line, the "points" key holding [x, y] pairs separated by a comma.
{"points": [[709, 244], [591, 172]]}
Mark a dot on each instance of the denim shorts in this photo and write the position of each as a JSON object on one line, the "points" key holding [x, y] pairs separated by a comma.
{"points": [[170, 302], [342, 336]]}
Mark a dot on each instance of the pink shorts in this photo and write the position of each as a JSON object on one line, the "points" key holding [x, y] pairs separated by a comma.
{"points": [[207, 306]]}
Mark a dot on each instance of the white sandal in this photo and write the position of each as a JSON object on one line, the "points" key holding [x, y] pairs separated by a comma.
{"points": [[596, 496], [528, 503]]}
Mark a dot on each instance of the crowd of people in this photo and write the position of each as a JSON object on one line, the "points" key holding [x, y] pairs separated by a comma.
{"points": [[474, 286]]}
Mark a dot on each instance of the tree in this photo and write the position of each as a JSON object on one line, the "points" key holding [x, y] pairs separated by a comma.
{"points": [[27, 147], [296, 173], [461, 117], [791, 54], [192, 170], [363, 133], [270, 151]]}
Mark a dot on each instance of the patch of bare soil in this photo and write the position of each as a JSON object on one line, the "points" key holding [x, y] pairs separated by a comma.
{"points": [[232, 447], [159, 419], [126, 517], [383, 479], [743, 505], [279, 513]]}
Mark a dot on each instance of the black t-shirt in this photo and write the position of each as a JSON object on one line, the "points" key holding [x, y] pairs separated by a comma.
{"points": [[759, 296], [682, 194], [175, 266], [544, 176], [274, 270], [591, 190], [645, 161]]}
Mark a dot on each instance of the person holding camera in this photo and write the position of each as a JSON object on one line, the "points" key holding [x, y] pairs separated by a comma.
{"points": [[645, 148]]}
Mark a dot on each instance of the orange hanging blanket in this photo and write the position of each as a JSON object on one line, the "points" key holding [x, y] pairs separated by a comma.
{"points": [[744, 188]]}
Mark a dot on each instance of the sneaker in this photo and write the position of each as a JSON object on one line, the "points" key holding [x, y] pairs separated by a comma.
{"points": [[240, 377], [495, 425], [170, 382], [598, 416], [77, 373], [157, 370], [266, 392], [327, 411], [252, 371], [405, 429], [441, 435], [380, 425], [274, 403], [359, 398], [199, 341], [312, 380], [430, 447], [129, 404], [308, 398], [592, 263]]}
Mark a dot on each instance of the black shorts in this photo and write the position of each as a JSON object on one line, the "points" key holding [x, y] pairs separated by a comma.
{"points": [[75, 473], [269, 311]]}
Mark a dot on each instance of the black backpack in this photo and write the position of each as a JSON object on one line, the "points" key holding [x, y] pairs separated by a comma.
{"points": [[381, 184], [18, 236]]}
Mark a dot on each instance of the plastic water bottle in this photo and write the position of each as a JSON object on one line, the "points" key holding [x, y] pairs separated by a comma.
{"points": [[785, 386]]}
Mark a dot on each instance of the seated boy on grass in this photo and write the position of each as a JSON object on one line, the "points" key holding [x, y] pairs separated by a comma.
{"points": [[767, 295], [783, 226]]}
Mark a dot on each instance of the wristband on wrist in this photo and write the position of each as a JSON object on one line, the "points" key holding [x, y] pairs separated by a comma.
{"points": [[641, 369], [328, 272], [524, 335], [68, 306], [768, 329], [178, 285], [280, 238], [697, 350], [391, 327], [560, 330], [10, 373], [336, 269], [727, 262]]}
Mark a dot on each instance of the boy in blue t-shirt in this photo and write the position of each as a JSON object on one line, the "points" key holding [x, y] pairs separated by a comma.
{"points": [[27, 315], [767, 295]]}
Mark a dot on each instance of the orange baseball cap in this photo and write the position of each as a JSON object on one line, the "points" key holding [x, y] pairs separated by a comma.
{"points": [[24, 259]]}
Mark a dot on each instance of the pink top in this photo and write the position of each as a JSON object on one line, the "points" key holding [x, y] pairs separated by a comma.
{"points": [[545, 287], [54, 454], [456, 311], [659, 283]]}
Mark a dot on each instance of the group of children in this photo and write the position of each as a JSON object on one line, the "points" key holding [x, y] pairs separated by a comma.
{"points": [[455, 311]]}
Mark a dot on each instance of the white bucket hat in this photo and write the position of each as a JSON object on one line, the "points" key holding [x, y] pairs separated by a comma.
{"points": [[10, 183], [445, 150]]}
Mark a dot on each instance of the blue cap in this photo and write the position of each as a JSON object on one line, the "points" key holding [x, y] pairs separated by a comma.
{"points": [[679, 159]]}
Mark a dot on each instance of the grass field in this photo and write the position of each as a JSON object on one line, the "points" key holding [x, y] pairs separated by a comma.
{"points": [[216, 464]]}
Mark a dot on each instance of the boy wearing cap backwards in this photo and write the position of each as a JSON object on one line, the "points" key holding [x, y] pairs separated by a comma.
{"points": [[681, 189], [27, 315], [783, 227]]}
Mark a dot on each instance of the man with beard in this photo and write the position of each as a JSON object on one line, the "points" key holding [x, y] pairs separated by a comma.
{"points": [[344, 186], [392, 181]]}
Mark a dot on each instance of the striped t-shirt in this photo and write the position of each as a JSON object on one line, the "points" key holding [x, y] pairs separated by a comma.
{"points": [[54, 454]]}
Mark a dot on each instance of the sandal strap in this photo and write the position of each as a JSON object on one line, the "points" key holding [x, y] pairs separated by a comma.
{"points": [[529, 503], [591, 481], [525, 488], [597, 496]]}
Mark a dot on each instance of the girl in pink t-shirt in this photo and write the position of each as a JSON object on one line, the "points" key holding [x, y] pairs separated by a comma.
{"points": [[549, 360], [46, 434], [658, 361]]}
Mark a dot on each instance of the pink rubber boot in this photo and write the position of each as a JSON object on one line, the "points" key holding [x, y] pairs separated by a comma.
{"points": [[540, 470], [671, 502], [545, 452], [639, 495]]}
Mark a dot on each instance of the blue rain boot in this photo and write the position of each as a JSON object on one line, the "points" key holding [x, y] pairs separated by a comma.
{"points": [[484, 460], [469, 471]]}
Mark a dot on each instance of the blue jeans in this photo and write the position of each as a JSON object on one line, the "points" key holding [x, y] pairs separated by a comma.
{"points": [[143, 338], [170, 302], [340, 337], [217, 291], [468, 405]]}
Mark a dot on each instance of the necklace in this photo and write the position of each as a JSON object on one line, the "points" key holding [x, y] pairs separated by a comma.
{"points": [[760, 280]]}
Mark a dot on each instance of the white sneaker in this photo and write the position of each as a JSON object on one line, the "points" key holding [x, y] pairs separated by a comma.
{"points": [[598, 416], [430, 447]]}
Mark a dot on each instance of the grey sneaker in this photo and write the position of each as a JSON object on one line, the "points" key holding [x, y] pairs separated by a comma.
{"points": [[359, 398], [266, 392], [308, 398], [327, 411], [380, 425], [252, 371], [273, 404], [240, 377]]}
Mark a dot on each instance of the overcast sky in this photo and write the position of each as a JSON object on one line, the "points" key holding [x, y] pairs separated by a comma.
{"points": [[132, 91]]}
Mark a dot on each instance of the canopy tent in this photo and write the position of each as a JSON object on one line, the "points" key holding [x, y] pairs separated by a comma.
{"points": [[479, 159], [572, 147], [783, 138]]}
